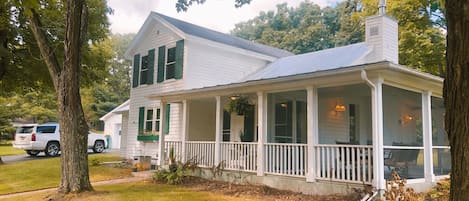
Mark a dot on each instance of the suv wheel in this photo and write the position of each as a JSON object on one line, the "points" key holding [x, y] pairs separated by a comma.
{"points": [[98, 147], [52, 149], [32, 152]]}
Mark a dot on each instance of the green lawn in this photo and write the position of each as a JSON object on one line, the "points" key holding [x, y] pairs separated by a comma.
{"points": [[7, 149], [45, 173], [139, 191]]}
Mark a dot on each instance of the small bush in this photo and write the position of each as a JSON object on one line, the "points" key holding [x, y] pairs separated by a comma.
{"points": [[440, 191], [176, 172], [95, 162], [396, 190]]}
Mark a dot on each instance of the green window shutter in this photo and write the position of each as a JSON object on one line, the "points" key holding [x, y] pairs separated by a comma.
{"points": [[136, 70], [167, 115], [141, 119], [161, 63], [151, 64], [179, 59]]}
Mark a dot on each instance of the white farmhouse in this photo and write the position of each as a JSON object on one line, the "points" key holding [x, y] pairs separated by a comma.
{"points": [[315, 122]]}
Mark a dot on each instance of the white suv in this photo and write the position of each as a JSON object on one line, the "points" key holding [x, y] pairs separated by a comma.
{"points": [[46, 137]]}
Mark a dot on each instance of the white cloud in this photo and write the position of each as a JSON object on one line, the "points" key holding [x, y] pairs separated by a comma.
{"points": [[220, 15]]}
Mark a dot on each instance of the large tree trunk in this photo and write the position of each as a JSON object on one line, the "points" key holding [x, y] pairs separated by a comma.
{"points": [[66, 78], [456, 95], [73, 128]]}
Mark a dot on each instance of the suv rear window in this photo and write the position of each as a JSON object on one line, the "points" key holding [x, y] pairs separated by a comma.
{"points": [[25, 129], [45, 129]]}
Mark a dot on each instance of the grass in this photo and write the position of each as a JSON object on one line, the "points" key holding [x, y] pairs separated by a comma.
{"points": [[138, 191], [45, 173], [6, 149]]}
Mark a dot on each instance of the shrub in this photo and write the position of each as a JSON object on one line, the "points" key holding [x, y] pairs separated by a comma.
{"points": [[396, 190], [176, 172], [440, 191], [95, 162]]}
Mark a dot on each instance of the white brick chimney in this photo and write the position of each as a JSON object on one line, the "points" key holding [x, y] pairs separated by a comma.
{"points": [[382, 36]]}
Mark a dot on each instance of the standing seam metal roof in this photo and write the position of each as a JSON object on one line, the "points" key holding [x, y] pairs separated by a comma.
{"points": [[323, 60], [227, 39]]}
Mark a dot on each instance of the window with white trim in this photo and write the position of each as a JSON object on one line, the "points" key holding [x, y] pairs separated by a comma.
{"points": [[152, 120]]}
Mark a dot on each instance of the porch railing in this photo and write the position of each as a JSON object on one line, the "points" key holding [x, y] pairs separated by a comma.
{"points": [[285, 159], [348, 163], [239, 156], [176, 146], [344, 163], [203, 152]]}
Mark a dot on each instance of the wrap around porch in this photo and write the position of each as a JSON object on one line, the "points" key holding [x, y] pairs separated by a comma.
{"points": [[345, 133]]}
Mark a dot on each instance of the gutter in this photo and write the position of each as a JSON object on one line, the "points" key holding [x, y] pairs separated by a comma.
{"points": [[367, 81]]}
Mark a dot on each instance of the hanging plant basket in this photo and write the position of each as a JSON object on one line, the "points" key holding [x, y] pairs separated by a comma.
{"points": [[240, 105]]}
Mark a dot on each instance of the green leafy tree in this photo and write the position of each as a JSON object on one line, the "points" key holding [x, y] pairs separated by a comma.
{"points": [[421, 32], [309, 28]]}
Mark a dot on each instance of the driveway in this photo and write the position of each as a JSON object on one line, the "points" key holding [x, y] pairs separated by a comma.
{"points": [[26, 157]]}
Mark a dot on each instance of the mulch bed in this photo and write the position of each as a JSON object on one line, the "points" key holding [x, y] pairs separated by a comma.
{"points": [[260, 192]]}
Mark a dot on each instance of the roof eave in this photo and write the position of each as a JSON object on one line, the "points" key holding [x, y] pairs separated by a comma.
{"points": [[382, 65]]}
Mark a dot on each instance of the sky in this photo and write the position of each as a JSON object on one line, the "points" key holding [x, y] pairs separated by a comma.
{"points": [[219, 15]]}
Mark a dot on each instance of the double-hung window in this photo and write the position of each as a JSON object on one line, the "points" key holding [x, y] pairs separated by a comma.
{"points": [[144, 70], [171, 63], [152, 120]]}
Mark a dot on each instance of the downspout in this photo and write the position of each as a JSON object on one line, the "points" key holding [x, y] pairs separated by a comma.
{"points": [[367, 81], [364, 77]]}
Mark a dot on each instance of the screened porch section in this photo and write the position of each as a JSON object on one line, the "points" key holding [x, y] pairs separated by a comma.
{"points": [[404, 136], [344, 150]]}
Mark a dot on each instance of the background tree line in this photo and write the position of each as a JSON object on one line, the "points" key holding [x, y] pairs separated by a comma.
{"points": [[26, 88]]}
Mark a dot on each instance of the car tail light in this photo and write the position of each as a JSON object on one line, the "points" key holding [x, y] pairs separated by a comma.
{"points": [[33, 137]]}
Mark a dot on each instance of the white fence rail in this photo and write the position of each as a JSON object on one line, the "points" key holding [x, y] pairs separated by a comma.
{"points": [[239, 156], [346, 163], [285, 159], [203, 152]]}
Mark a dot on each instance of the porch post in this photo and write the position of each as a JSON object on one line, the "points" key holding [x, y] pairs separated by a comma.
{"points": [[218, 129], [427, 135], [378, 146], [161, 148], [313, 131], [261, 131], [184, 129]]}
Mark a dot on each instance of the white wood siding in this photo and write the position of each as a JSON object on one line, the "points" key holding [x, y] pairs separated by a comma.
{"points": [[210, 66], [125, 124], [334, 126]]}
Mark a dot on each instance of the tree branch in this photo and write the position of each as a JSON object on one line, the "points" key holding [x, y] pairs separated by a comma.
{"points": [[45, 48]]}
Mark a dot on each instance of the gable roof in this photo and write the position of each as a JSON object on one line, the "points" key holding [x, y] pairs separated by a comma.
{"points": [[116, 111], [323, 60], [223, 38]]}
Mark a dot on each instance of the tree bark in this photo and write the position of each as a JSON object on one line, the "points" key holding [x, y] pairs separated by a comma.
{"points": [[73, 127], [456, 95]]}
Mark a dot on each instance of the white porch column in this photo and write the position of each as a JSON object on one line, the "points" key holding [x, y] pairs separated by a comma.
{"points": [[377, 125], [161, 148], [313, 132], [427, 135], [218, 129], [261, 131], [184, 129]]}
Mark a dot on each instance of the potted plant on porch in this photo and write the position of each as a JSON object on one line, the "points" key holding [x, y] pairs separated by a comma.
{"points": [[238, 104]]}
